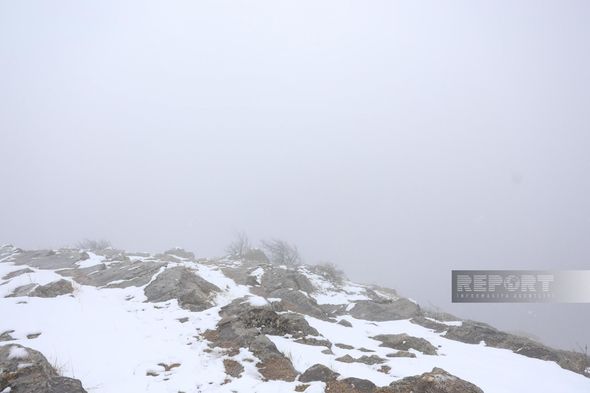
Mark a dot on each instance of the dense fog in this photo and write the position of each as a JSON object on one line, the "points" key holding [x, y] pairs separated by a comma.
{"points": [[399, 140]]}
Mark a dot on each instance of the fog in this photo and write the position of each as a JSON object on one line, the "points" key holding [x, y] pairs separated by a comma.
{"points": [[399, 140]]}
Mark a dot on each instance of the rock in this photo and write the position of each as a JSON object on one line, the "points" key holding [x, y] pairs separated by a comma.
{"points": [[275, 278], [255, 255], [181, 253], [475, 332], [192, 292], [23, 290], [361, 385], [384, 369], [115, 275], [269, 322], [44, 259], [344, 322], [345, 359], [344, 346], [17, 273], [6, 336], [277, 368], [401, 354], [233, 368], [404, 342], [299, 302], [53, 289], [369, 360], [38, 377], [318, 372], [243, 326], [436, 381], [314, 341], [429, 324], [386, 311]]}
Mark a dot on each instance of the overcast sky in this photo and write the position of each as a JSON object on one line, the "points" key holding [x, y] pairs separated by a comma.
{"points": [[399, 140]]}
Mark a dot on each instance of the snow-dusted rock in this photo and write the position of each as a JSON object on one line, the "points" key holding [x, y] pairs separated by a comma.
{"points": [[24, 370], [385, 311], [436, 381], [192, 292]]}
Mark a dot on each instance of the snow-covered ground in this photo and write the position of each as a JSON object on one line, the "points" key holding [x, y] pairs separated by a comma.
{"points": [[112, 340]]}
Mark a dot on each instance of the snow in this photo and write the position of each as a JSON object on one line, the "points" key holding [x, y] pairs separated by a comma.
{"points": [[41, 277], [492, 369], [258, 273], [17, 353], [257, 301], [93, 260], [110, 339]]}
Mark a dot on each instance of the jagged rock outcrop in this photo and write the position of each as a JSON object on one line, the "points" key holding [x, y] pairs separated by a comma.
{"points": [[121, 274], [48, 259], [192, 292], [24, 370], [385, 311], [475, 332], [53, 289], [275, 278]]}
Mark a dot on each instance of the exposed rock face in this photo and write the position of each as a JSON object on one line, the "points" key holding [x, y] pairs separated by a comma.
{"points": [[17, 273], [269, 322], [48, 259], [318, 372], [436, 381], [116, 275], [192, 292], [385, 311], [23, 290], [475, 332], [429, 324], [53, 289], [245, 326], [404, 342], [276, 278], [296, 301], [25, 370]]}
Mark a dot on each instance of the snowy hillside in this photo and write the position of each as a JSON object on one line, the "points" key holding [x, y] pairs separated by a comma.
{"points": [[123, 322]]}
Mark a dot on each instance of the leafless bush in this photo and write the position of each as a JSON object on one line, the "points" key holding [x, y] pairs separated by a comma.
{"points": [[94, 245], [330, 272], [239, 246], [281, 253]]}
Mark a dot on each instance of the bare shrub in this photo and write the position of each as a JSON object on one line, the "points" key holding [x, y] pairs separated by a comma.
{"points": [[330, 272], [281, 253], [239, 246], [94, 245]]}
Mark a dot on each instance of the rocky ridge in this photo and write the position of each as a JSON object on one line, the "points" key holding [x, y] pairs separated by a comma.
{"points": [[255, 325]]}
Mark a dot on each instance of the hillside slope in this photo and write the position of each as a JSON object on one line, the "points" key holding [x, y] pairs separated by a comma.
{"points": [[122, 322]]}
